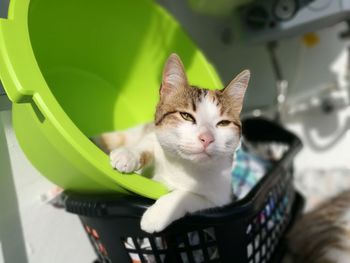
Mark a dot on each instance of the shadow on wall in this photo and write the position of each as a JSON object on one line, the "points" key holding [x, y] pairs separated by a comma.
{"points": [[323, 131], [12, 245], [326, 131]]}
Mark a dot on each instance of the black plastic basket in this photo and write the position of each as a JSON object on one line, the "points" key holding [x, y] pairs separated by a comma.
{"points": [[250, 230]]}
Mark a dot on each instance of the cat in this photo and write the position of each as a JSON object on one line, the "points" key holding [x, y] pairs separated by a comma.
{"points": [[190, 145], [322, 235]]}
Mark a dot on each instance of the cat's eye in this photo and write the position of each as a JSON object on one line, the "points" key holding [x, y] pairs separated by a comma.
{"points": [[188, 117], [223, 123]]}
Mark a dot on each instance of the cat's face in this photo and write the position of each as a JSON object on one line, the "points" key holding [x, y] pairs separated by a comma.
{"points": [[198, 124]]}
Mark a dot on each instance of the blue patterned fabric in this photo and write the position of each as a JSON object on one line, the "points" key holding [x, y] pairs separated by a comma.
{"points": [[247, 171]]}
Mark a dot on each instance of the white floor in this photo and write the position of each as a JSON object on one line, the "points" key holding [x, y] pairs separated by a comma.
{"points": [[32, 231]]}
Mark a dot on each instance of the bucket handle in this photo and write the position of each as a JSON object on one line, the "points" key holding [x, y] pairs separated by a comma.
{"points": [[19, 72], [9, 76]]}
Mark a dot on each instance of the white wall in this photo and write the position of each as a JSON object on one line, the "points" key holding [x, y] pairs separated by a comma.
{"points": [[323, 166]]}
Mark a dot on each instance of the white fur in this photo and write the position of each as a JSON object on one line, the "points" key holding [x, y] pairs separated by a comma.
{"points": [[196, 180], [184, 140], [124, 160]]}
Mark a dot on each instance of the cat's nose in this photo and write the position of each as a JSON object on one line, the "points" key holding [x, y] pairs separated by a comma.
{"points": [[206, 138]]}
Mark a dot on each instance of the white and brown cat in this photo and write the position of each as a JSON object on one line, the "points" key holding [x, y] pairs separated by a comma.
{"points": [[191, 145]]}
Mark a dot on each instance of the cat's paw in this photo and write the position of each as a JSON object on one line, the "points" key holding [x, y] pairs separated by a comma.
{"points": [[124, 160], [154, 221]]}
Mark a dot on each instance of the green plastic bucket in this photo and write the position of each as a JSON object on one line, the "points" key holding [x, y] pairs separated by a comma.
{"points": [[76, 68]]}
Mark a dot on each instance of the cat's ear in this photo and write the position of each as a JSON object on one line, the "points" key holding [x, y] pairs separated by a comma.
{"points": [[237, 88], [174, 75]]}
